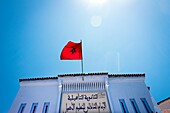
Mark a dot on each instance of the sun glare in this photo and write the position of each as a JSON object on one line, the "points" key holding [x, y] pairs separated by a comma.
{"points": [[97, 2]]}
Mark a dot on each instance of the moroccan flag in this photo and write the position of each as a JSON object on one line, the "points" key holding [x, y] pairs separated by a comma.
{"points": [[72, 51]]}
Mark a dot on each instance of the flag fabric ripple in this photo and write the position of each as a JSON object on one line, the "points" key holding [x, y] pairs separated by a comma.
{"points": [[72, 51]]}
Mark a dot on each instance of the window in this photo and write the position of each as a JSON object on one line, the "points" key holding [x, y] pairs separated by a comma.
{"points": [[34, 107], [21, 108], [46, 107], [123, 105], [135, 107], [146, 105]]}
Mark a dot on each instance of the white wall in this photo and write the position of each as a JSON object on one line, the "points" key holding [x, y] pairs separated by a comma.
{"points": [[126, 88], [38, 91]]}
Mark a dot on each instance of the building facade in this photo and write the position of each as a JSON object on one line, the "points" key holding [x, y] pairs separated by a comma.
{"points": [[85, 93]]}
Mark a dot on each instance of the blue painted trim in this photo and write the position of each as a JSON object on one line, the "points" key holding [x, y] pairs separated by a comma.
{"points": [[108, 96], [146, 105], [21, 108], [44, 108], [123, 106], [135, 106], [109, 101], [34, 105], [60, 104], [60, 88]]}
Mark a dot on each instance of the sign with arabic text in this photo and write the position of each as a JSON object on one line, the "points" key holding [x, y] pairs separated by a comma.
{"points": [[84, 102]]}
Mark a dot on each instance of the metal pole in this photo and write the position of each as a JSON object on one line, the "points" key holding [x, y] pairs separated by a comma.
{"points": [[82, 65], [82, 59]]}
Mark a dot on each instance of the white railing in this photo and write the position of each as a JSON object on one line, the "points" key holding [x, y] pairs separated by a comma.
{"points": [[87, 86]]}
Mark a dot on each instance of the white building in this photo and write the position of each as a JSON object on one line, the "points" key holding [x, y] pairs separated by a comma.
{"points": [[85, 93]]}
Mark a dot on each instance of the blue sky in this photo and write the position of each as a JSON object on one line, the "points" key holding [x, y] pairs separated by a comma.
{"points": [[33, 33]]}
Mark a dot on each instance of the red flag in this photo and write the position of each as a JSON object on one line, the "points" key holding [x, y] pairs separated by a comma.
{"points": [[72, 51]]}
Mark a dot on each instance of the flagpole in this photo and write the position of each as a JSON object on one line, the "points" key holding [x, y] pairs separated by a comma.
{"points": [[82, 65], [82, 60]]}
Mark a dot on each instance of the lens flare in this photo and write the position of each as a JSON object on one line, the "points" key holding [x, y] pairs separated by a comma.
{"points": [[96, 21]]}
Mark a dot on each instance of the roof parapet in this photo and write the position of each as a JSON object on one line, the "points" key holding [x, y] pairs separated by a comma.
{"points": [[80, 74], [126, 75], [42, 78], [84, 74]]}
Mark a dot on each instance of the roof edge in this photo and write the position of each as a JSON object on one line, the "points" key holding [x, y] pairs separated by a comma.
{"points": [[126, 75], [163, 100], [84, 74], [42, 78]]}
